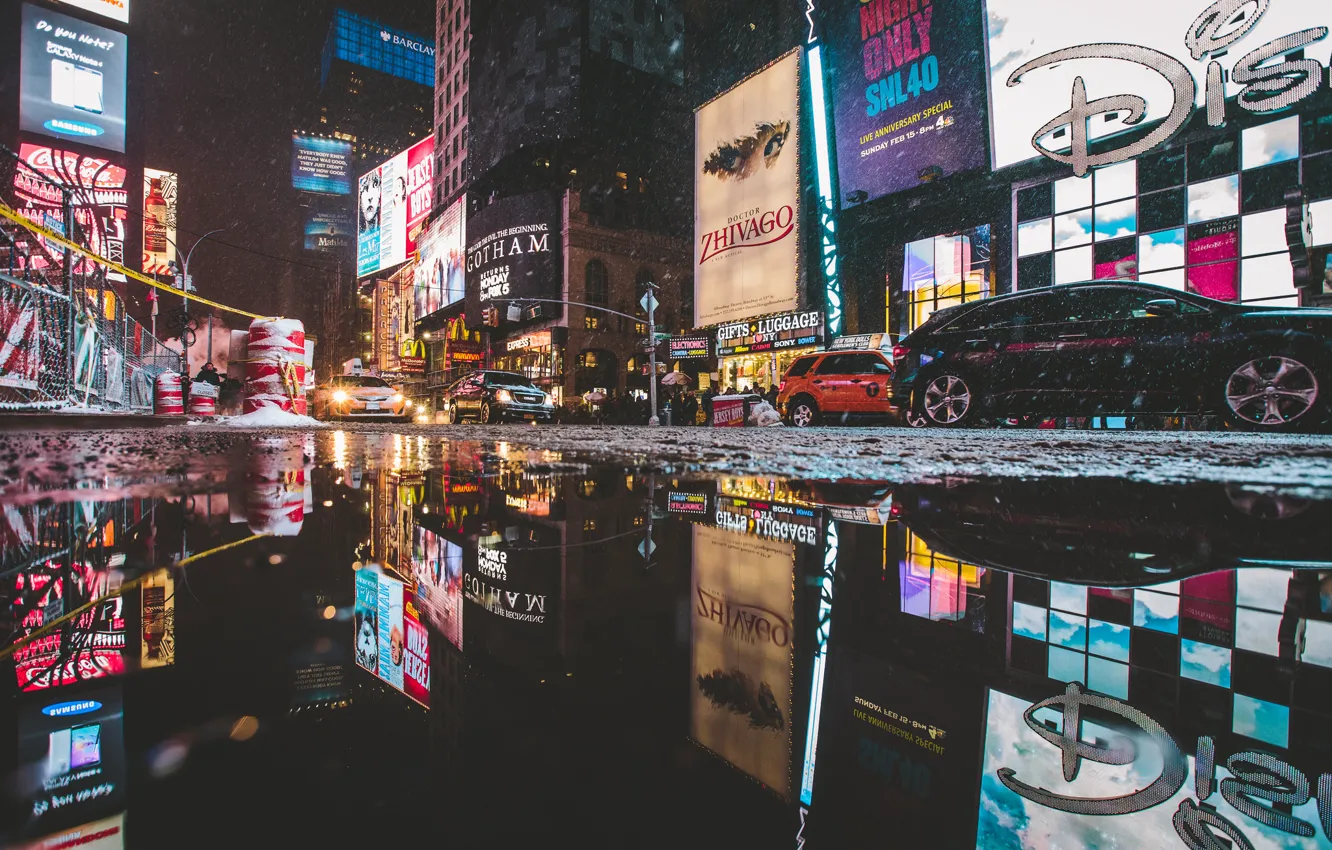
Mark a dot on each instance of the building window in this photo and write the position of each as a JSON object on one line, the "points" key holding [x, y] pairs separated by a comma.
{"points": [[596, 282], [945, 270], [1206, 218]]}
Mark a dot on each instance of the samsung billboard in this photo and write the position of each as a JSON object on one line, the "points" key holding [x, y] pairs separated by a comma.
{"points": [[73, 79]]}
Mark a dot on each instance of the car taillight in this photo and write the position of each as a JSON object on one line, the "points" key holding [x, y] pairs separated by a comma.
{"points": [[781, 386], [900, 352]]}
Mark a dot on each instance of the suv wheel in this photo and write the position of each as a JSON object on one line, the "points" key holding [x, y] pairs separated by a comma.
{"points": [[948, 401], [803, 412], [1275, 392], [450, 413], [487, 414]]}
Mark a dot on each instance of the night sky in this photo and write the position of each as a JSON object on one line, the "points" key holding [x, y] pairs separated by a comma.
{"points": [[223, 87]]}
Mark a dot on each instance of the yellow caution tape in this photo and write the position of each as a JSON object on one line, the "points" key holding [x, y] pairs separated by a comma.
{"points": [[55, 237]]}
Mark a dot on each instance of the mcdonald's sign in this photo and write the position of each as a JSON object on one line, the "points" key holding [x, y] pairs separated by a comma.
{"points": [[412, 355]]}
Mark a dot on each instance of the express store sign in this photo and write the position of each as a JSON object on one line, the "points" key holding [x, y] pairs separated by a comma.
{"points": [[787, 330]]}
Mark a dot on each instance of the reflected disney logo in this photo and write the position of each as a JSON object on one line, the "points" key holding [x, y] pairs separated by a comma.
{"points": [[1266, 87]]}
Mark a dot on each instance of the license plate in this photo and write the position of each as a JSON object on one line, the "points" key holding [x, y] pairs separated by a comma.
{"points": [[372, 405], [529, 416]]}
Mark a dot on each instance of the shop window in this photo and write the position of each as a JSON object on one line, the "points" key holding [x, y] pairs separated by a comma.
{"points": [[1162, 170], [1159, 210], [1265, 188], [1270, 143], [1213, 158], [1035, 202], [596, 282], [945, 270], [592, 322]]}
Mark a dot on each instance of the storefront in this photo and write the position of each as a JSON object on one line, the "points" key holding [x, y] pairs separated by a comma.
{"points": [[759, 351], [538, 356], [451, 352]]}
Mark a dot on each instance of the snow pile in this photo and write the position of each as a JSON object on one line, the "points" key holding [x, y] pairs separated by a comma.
{"points": [[273, 417], [764, 415]]}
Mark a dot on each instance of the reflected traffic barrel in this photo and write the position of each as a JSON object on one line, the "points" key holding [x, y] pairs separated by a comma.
{"points": [[275, 371], [203, 399], [167, 395], [275, 487]]}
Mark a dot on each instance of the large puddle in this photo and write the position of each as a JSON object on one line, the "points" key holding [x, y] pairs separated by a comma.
{"points": [[377, 640]]}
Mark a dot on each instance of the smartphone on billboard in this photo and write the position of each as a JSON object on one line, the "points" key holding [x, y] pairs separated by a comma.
{"points": [[76, 87], [57, 753], [85, 745]]}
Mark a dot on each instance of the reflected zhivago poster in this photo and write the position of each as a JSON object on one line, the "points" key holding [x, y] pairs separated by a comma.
{"points": [[740, 671]]}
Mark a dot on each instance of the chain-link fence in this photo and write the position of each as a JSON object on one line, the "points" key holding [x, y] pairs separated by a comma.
{"points": [[67, 338]]}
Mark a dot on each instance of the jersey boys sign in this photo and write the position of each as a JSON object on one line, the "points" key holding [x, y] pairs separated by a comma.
{"points": [[746, 182], [393, 202]]}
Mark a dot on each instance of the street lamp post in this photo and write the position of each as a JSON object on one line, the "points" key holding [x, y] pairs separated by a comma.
{"points": [[185, 292]]}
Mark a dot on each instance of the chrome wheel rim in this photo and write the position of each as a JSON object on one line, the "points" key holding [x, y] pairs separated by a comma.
{"points": [[802, 416], [1271, 391], [947, 399]]}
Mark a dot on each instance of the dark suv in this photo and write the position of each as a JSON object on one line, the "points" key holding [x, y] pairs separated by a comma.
{"points": [[495, 396], [1114, 347]]}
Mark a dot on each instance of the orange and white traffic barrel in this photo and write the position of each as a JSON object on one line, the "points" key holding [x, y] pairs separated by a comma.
{"points": [[168, 399], [275, 372]]}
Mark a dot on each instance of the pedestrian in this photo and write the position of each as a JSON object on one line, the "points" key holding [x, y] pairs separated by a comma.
{"points": [[771, 395], [689, 409], [708, 395], [208, 375]]}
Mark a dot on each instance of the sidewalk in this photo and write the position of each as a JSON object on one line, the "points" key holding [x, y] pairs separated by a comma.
{"points": [[46, 420]]}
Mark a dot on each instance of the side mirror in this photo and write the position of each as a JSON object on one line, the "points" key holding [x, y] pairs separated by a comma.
{"points": [[1162, 307]]}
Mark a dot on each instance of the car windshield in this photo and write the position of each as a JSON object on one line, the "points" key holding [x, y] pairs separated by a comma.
{"points": [[508, 379], [354, 381]]}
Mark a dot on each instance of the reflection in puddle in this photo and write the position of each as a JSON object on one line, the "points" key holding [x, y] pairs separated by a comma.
{"points": [[953, 664]]}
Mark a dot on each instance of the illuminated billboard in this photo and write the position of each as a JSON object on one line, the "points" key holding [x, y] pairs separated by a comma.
{"points": [[76, 747], [437, 564], [329, 231], [372, 45], [92, 648], [73, 80], [100, 195], [747, 197], [390, 641], [160, 205], [740, 653], [515, 249], [1195, 53], [907, 99], [321, 165], [393, 201], [440, 279], [116, 10]]}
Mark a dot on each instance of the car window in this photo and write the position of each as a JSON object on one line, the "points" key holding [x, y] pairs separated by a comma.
{"points": [[800, 368], [1036, 308], [1106, 303], [834, 364], [507, 379], [865, 363], [359, 381]]}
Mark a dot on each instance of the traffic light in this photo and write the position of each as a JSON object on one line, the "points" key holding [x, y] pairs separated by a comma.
{"points": [[490, 317]]}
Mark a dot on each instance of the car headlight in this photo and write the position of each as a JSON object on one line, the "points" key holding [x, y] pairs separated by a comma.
{"points": [[407, 403], [397, 398], [340, 395], [549, 400], [504, 396]]}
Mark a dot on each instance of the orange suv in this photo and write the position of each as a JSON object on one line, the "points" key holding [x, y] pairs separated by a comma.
{"points": [[836, 386]]}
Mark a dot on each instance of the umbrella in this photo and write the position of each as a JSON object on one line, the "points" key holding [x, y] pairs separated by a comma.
{"points": [[594, 397], [675, 378]]}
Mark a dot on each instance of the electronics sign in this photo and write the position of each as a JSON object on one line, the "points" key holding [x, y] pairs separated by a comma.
{"points": [[321, 165], [440, 280], [76, 747], [389, 639], [73, 80], [747, 197], [1194, 54], [394, 200], [907, 102], [514, 250]]}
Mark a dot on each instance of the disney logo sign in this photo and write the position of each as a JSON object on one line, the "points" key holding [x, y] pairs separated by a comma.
{"points": [[1264, 85]]}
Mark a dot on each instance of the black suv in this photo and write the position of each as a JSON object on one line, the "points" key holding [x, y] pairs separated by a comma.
{"points": [[1113, 347], [495, 396]]}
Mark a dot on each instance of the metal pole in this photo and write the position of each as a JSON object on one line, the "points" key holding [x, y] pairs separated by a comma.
{"points": [[652, 354], [185, 291]]}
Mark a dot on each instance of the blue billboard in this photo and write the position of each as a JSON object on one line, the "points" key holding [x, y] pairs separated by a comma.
{"points": [[366, 42], [321, 165]]}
